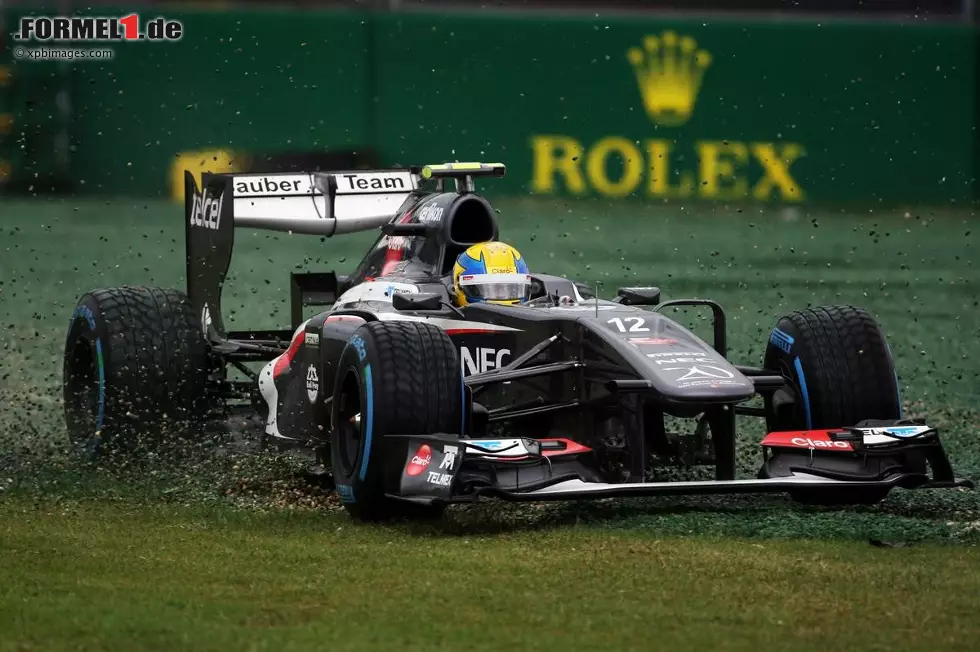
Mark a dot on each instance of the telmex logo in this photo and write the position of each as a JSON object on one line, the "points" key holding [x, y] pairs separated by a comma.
{"points": [[669, 71]]}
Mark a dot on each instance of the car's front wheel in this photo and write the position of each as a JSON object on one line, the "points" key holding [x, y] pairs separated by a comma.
{"points": [[839, 373], [393, 378], [839, 366]]}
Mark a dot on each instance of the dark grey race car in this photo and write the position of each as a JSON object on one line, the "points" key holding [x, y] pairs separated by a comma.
{"points": [[412, 403]]}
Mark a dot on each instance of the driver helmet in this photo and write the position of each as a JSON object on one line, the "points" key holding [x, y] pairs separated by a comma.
{"points": [[491, 272]]}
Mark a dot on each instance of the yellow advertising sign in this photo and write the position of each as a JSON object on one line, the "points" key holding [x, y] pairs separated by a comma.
{"points": [[218, 161], [669, 71]]}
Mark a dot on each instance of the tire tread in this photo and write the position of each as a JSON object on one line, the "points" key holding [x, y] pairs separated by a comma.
{"points": [[155, 357]]}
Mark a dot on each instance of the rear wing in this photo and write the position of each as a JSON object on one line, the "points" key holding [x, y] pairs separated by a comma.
{"points": [[324, 204], [315, 203]]}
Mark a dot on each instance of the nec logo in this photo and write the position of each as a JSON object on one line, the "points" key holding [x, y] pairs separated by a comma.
{"points": [[479, 360], [206, 211]]}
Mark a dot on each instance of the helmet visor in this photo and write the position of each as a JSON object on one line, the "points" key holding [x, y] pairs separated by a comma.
{"points": [[496, 287]]}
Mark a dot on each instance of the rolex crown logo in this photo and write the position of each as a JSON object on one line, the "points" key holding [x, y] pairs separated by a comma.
{"points": [[669, 70]]}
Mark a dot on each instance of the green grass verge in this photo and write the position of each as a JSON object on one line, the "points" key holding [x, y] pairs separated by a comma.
{"points": [[913, 269], [80, 574]]}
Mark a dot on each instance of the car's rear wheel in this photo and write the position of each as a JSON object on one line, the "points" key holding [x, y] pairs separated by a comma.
{"points": [[393, 378], [135, 370], [839, 371]]}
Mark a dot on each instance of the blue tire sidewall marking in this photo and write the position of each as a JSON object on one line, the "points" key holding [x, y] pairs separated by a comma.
{"points": [[346, 493], [86, 312], [358, 343], [782, 340], [368, 421], [804, 395]]}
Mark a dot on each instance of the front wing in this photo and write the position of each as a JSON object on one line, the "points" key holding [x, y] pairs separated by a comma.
{"points": [[577, 489], [442, 468]]}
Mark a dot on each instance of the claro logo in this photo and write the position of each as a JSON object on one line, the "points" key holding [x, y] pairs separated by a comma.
{"points": [[817, 443], [420, 461]]}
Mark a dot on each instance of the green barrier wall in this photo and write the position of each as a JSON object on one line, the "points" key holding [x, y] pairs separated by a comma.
{"points": [[712, 109], [576, 106], [256, 81]]}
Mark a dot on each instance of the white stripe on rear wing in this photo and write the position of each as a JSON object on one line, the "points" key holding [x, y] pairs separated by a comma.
{"points": [[320, 203]]}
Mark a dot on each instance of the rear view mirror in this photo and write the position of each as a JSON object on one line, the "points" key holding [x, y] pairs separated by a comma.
{"points": [[642, 296], [420, 301]]}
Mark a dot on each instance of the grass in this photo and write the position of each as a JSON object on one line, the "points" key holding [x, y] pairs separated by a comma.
{"points": [[90, 575], [235, 552]]}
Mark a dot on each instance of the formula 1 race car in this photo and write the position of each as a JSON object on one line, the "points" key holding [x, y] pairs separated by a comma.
{"points": [[412, 402]]}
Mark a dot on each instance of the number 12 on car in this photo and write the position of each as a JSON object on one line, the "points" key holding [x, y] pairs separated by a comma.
{"points": [[629, 324]]}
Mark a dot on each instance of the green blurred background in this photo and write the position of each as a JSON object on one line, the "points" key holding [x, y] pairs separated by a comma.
{"points": [[578, 99]]}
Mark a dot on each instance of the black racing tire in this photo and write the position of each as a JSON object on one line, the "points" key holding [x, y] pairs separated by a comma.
{"points": [[840, 373], [400, 378], [135, 370], [839, 367]]}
